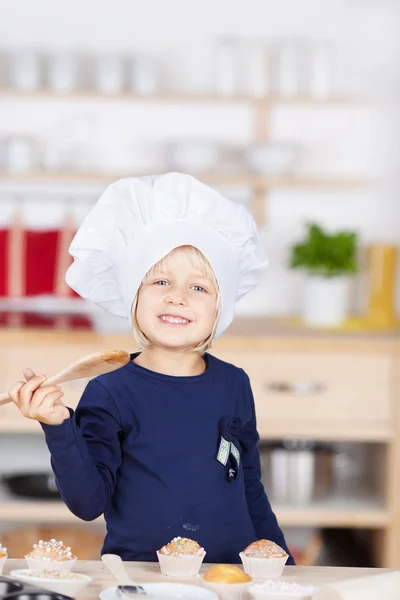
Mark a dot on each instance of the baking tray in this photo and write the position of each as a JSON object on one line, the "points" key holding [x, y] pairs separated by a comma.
{"points": [[12, 589]]}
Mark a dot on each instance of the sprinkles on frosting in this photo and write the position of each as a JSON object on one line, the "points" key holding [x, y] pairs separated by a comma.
{"points": [[55, 574], [182, 546], [51, 550], [283, 588], [264, 549]]}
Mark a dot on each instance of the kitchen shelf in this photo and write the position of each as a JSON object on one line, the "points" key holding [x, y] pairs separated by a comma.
{"points": [[370, 516], [339, 101], [348, 512], [260, 182], [370, 434]]}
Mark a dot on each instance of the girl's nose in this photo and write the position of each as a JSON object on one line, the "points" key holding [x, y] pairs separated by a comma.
{"points": [[176, 297]]}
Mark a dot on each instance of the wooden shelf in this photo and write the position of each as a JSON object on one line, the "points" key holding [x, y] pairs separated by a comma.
{"points": [[333, 101], [253, 181], [338, 513], [357, 515]]}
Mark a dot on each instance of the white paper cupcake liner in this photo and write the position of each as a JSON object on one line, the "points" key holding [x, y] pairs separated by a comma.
{"points": [[228, 591], [263, 568], [179, 566], [2, 563], [50, 565]]}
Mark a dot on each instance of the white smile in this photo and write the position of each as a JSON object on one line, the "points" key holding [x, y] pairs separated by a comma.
{"points": [[174, 320]]}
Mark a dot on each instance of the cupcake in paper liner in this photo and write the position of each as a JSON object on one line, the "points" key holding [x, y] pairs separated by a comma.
{"points": [[51, 556], [263, 559], [3, 557], [227, 581], [182, 557]]}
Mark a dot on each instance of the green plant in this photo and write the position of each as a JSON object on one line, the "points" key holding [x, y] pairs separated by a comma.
{"points": [[324, 254]]}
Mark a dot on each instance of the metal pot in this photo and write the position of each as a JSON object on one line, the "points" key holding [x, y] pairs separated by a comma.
{"points": [[297, 471], [33, 485]]}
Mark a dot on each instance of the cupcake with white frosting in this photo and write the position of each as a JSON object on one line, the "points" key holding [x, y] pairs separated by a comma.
{"points": [[182, 557], [263, 559], [51, 556]]}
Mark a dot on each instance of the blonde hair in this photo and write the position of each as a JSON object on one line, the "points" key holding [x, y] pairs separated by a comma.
{"points": [[195, 254]]}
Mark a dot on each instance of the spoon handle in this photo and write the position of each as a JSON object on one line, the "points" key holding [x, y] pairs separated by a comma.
{"points": [[116, 566], [84, 368], [5, 398]]}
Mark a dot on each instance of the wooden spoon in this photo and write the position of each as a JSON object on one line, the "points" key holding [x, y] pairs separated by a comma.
{"points": [[91, 365]]}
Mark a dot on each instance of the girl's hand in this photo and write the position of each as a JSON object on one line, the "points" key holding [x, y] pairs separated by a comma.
{"points": [[39, 403]]}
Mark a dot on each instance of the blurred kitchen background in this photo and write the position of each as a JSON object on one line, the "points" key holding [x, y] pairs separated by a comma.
{"points": [[290, 107]]}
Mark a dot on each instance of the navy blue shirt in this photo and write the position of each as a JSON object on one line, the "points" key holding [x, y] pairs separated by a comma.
{"points": [[142, 449]]}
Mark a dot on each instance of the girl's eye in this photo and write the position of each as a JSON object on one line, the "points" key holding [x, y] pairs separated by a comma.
{"points": [[198, 288], [161, 282]]}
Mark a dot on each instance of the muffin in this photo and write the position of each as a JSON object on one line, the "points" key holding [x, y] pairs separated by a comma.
{"points": [[182, 557], [263, 559], [281, 590], [51, 556], [3, 557], [229, 582]]}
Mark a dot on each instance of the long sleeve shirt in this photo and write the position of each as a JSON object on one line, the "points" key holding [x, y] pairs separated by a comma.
{"points": [[141, 448]]}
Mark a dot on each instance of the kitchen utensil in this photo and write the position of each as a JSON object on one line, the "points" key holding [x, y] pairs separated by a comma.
{"points": [[166, 591], [91, 365], [298, 471], [12, 589], [126, 587], [32, 485]]}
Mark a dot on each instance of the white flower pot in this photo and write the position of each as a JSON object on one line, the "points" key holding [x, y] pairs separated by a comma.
{"points": [[325, 301]]}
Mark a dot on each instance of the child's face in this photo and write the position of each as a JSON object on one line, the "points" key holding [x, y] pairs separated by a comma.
{"points": [[177, 305]]}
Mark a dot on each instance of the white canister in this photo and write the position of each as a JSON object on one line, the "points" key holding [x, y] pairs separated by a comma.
{"points": [[288, 69], [109, 76], [62, 72], [325, 301], [320, 65], [20, 154], [255, 69], [143, 75], [301, 464], [279, 475], [226, 67], [24, 70]]}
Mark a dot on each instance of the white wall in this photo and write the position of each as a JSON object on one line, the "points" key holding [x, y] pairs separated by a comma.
{"points": [[351, 142]]}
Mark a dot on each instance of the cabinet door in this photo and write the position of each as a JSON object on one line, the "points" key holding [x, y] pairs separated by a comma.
{"points": [[341, 394]]}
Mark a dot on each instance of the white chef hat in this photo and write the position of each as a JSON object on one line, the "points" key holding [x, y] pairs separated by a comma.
{"points": [[138, 221]]}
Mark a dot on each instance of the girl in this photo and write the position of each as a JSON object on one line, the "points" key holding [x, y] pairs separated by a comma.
{"points": [[165, 446]]}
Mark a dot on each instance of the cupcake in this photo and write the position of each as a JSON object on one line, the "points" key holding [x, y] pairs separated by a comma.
{"points": [[227, 581], [263, 559], [51, 556], [281, 590], [182, 557], [3, 557]]}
